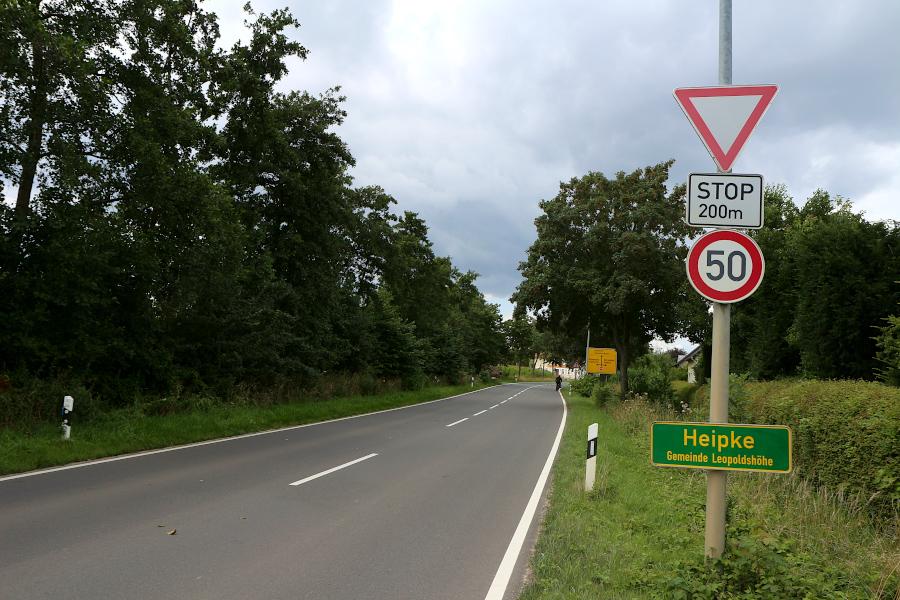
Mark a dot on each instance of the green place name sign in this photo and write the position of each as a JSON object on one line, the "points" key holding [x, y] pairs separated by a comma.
{"points": [[721, 446]]}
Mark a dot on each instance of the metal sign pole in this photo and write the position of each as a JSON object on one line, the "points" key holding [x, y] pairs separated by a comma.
{"points": [[587, 349], [716, 481]]}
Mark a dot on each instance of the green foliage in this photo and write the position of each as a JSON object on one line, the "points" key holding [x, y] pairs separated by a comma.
{"points": [[521, 338], [26, 401], [759, 324], [650, 375], [845, 269], [584, 386], [678, 374], [888, 343], [738, 396], [756, 568], [829, 280], [603, 394], [685, 396], [194, 230], [609, 253], [845, 433], [524, 373], [639, 534]]}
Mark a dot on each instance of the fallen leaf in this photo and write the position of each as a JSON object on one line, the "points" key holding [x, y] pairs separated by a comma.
{"points": [[160, 525], [173, 532]]}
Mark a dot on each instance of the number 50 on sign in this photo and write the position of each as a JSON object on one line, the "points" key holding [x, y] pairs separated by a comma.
{"points": [[725, 266]]}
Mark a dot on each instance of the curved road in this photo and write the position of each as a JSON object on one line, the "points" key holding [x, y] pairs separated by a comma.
{"points": [[422, 502]]}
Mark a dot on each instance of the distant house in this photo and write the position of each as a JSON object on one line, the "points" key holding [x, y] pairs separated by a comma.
{"points": [[565, 371], [690, 361]]}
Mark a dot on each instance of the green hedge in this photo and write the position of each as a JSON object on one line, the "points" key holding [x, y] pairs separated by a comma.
{"points": [[846, 433]]}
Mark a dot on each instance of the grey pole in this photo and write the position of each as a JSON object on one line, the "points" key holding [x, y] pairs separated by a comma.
{"points": [[724, 42], [716, 481], [587, 349]]}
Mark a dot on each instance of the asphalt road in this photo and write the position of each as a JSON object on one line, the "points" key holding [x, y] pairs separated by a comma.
{"points": [[429, 510]]}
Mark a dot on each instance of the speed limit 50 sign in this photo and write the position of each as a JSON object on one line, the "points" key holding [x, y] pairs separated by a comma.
{"points": [[725, 266]]}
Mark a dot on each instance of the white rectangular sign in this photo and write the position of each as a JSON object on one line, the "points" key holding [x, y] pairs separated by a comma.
{"points": [[725, 200]]}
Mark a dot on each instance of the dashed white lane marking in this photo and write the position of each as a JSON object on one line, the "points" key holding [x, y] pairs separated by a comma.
{"points": [[481, 412], [333, 469]]}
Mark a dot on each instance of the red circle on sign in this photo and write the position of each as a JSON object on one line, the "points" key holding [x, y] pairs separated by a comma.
{"points": [[757, 266]]}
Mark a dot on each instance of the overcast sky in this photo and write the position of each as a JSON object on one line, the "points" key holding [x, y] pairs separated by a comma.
{"points": [[471, 112]]}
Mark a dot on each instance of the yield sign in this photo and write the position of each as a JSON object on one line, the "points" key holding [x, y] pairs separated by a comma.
{"points": [[725, 116]]}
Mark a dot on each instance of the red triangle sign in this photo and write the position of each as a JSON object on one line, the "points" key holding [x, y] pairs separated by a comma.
{"points": [[724, 117]]}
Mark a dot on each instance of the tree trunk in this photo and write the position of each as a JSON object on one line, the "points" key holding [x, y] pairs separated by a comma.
{"points": [[35, 128], [622, 351]]}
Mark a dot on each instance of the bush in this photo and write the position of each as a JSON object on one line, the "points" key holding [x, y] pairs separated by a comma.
{"points": [[678, 374], [888, 343], [649, 375], [26, 402], [415, 381], [584, 386], [753, 568], [845, 432], [603, 394], [684, 396]]}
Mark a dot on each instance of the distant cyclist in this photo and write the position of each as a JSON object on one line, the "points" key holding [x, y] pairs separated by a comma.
{"points": [[558, 381]]}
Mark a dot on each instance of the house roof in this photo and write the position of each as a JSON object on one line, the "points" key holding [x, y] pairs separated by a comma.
{"points": [[689, 356]]}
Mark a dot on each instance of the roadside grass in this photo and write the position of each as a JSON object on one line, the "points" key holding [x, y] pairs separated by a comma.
{"points": [[636, 522], [129, 430], [528, 374], [639, 534]]}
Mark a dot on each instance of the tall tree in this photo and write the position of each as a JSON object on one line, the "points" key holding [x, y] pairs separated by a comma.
{"points": [[759, 325], [845, 268], [521, 339], [57, 80], [610, 252]]}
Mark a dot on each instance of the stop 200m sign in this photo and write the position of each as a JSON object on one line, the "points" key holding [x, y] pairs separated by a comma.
{"points": [[725, 266]]}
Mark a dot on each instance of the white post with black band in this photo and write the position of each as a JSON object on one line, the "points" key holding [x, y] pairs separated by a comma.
{"points": [[591, 465], [68, 405]]}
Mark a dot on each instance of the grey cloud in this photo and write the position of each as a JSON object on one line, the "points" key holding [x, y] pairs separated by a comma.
{"points": [[471, 112]]}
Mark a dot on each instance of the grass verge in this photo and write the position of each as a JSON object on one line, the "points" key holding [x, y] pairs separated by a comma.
{"points": [[125, 431], [527, 374], [639, 534]]}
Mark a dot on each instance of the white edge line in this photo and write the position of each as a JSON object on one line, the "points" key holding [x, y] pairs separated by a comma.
{"points": [[457, 422], [504, 401], [99, 461], [494, 406], [480, 412], [508, 564], [333, 469]]}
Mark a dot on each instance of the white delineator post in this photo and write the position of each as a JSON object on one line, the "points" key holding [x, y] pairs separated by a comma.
{"points": [[716, 481], [590, 469], [68, 405]]}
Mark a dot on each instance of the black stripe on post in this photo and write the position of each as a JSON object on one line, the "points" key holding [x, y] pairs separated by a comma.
{"points": [[592, 448]]}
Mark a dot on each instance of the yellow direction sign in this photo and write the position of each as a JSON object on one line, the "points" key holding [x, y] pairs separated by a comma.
{"points": [[602, 361]]}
